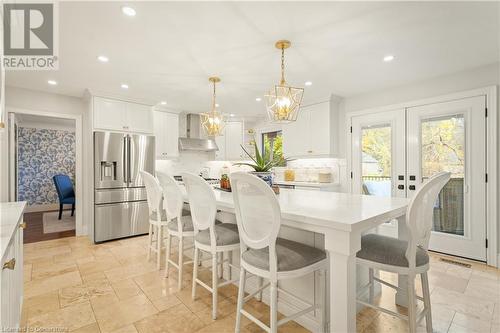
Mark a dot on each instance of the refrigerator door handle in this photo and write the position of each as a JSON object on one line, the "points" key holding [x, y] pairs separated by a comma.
{"points": [[129, 157], [125, 159]]}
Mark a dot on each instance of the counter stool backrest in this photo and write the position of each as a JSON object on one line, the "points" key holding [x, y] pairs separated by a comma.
{"points": [[201, 202], [154, 193], [419, 215], [172, 195], [258, 214]]}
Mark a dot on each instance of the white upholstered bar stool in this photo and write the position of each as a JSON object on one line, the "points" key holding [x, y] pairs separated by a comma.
{"points": [[265, 255], [157, 216], [405, 257], [209, 237], [178, 225]]}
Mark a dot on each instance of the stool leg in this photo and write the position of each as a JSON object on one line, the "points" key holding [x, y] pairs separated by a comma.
{"points": [[427, 301], [221, 264], [158, 247], [180, 263], [167, 255], [241, 295], [274, 307], [372, 286], [150, 240], [412, 310], [195, 271], [214, 285], [323, 299], [230, 262], [260, 283]]}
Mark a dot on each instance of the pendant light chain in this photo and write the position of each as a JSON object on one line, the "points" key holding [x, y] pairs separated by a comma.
{"points": [[283, 82], [213, 99]]}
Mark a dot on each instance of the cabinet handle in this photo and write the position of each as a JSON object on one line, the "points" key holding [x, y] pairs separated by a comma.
{"points": [[11, 264], [309, 151], [22, 225]]}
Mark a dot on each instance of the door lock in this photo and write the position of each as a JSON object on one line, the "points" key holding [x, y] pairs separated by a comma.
{"points": [[401, 187], [411, 187]]}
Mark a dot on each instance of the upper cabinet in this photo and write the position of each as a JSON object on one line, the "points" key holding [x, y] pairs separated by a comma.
{"points": [[230, 142], [115, 115], [166, 130], [312, 134]]}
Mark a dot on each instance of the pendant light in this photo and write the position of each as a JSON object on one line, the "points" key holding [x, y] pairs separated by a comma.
{"points": [[213, 121], [283, 101]]}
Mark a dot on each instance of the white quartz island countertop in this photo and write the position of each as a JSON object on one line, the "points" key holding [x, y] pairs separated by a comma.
{"points": [[10, 217]]}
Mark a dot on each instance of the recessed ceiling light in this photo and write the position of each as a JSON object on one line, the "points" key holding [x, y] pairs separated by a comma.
{"points": [[389, 58], [258, 99], [103, 58], [216, 105], [231, 115], [124, 86], [308, 83], [52, 82], [129, 11], [163, 103]]}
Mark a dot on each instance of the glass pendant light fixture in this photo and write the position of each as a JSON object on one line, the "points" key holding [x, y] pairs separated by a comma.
{"points": [[213, 121], [283, 101]]}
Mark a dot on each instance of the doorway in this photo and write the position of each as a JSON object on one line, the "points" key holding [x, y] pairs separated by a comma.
{"points": [[42, 147], [394, 152]]}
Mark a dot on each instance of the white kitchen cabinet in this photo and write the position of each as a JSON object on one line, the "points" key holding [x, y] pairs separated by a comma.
{"points": [[311, 135], [166, 130], [230, 142], [115, 115], [11, 276]]}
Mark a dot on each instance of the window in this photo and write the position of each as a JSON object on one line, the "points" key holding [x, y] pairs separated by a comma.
{"points": [[272, 144]]}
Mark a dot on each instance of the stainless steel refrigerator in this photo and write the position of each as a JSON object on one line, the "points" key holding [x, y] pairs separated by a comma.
{"points": [[120, 201]]}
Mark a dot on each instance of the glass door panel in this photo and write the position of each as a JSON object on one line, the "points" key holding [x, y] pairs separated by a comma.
{"points": [[443, 149], [376, 160]]}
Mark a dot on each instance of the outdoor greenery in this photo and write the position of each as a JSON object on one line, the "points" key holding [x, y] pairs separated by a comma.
{"points": [[376, 142]]}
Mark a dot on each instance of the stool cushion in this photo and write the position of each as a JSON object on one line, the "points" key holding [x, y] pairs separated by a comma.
{"points": [[389, 251], [154, 215], [225, 234], [187, 224], [290, 255]]}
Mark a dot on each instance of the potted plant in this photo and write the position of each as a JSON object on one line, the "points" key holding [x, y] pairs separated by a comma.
{"points": [[263, 164]]}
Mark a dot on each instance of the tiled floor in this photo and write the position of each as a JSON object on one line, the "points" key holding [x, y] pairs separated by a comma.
{"points": [[74, 285]]}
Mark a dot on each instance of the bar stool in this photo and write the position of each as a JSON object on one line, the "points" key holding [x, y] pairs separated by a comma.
{"points": [[209, 237], [405, 257], [178, 225], [265, 255], [157, 216]]}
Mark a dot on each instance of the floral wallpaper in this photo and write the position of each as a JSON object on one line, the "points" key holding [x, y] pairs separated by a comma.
{"points": [[43, 153]]}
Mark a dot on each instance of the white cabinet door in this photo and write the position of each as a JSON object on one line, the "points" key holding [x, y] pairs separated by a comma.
{"points": [[172, 135], [296, 136], [319, 129], [110, 114], [220, 154], [139, 118], [234, 140], [6, 291], [159, 121]]}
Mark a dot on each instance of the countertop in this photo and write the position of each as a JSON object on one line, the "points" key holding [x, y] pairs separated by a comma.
{"points": [[306, 184], [341, 211], [10, 216]]}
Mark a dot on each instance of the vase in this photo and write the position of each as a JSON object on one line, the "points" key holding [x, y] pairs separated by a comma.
{"points": [[265, 176]]}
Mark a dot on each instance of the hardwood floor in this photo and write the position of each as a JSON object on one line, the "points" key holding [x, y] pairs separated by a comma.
{"points": [[34, 229]]}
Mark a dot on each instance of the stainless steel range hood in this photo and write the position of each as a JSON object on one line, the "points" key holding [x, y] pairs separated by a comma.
{"points": [[193, 141]]}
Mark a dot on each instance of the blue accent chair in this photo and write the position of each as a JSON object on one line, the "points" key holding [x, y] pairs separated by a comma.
{"points": [[65, 191]]}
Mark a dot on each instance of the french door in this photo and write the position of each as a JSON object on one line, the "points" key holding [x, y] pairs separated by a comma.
{"points": [[394, 152]]}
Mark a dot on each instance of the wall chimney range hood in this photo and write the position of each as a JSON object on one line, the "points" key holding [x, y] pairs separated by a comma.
{"points": [[193, 141]]}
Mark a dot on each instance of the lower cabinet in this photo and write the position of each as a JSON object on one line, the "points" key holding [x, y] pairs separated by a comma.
{"points": [[11, 283]]}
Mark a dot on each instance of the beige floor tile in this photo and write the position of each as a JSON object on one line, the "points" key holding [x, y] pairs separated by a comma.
{"points": [[126, 329], [447, 281], [386, 323], [92, 328], [365, 317], [42, 286], [84, 292], [225, 325], [473, 306], [116, 314], [27, 268], [495, 328], [177, 319], [30, 256], [126, 288], [69, 318], [125, 272], [225, 308], [469, 324], [93, 265], [45, 270], [484, 288], [38, 305]]}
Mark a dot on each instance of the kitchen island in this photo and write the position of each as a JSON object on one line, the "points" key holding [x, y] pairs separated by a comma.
{"points": [[11, 277], [335, 222]]}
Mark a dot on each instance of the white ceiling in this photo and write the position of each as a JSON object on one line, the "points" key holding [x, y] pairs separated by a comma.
{"points": [[169, 49]]}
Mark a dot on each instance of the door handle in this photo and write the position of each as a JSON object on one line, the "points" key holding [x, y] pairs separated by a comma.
{"points": [[411, 187], [401, 187], [413, 178], [11, 264]]}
